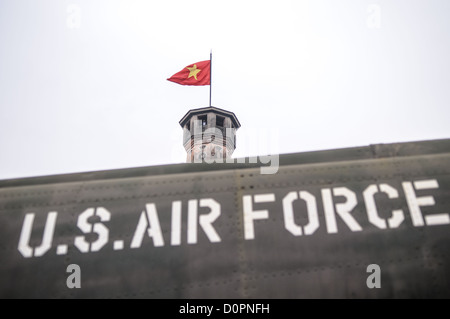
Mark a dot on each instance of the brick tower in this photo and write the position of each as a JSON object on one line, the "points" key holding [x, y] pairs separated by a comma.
{"points": [[209, 134]]}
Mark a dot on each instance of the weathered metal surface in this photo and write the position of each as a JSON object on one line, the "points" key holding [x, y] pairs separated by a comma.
{"points": [[213, 253]]}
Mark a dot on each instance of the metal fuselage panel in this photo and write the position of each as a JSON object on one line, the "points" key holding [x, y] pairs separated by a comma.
{"points": [[308, 231]]}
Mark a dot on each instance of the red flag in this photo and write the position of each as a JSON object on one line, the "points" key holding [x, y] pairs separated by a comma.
{"points": [[194, 74]]}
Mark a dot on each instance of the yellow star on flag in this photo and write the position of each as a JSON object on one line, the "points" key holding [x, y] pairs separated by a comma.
{"points": [[193, 71]]}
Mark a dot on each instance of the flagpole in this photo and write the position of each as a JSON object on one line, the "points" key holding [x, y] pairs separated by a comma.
{"points": [[210, 77]]}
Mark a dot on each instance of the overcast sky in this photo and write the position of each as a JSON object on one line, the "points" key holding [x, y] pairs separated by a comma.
{"points": [[83, 83]]}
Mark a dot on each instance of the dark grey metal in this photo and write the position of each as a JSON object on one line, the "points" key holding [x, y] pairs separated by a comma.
{"points": [[414, 261]]}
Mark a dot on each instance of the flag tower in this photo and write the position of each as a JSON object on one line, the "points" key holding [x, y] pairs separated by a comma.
{"points": [[209, 133]]}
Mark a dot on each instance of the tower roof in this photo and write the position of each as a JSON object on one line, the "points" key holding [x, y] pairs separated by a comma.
{"points": [[214, 109]]}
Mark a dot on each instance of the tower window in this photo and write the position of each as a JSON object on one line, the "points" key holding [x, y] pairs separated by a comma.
{"points": [[219, 121], [203, 119]]}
